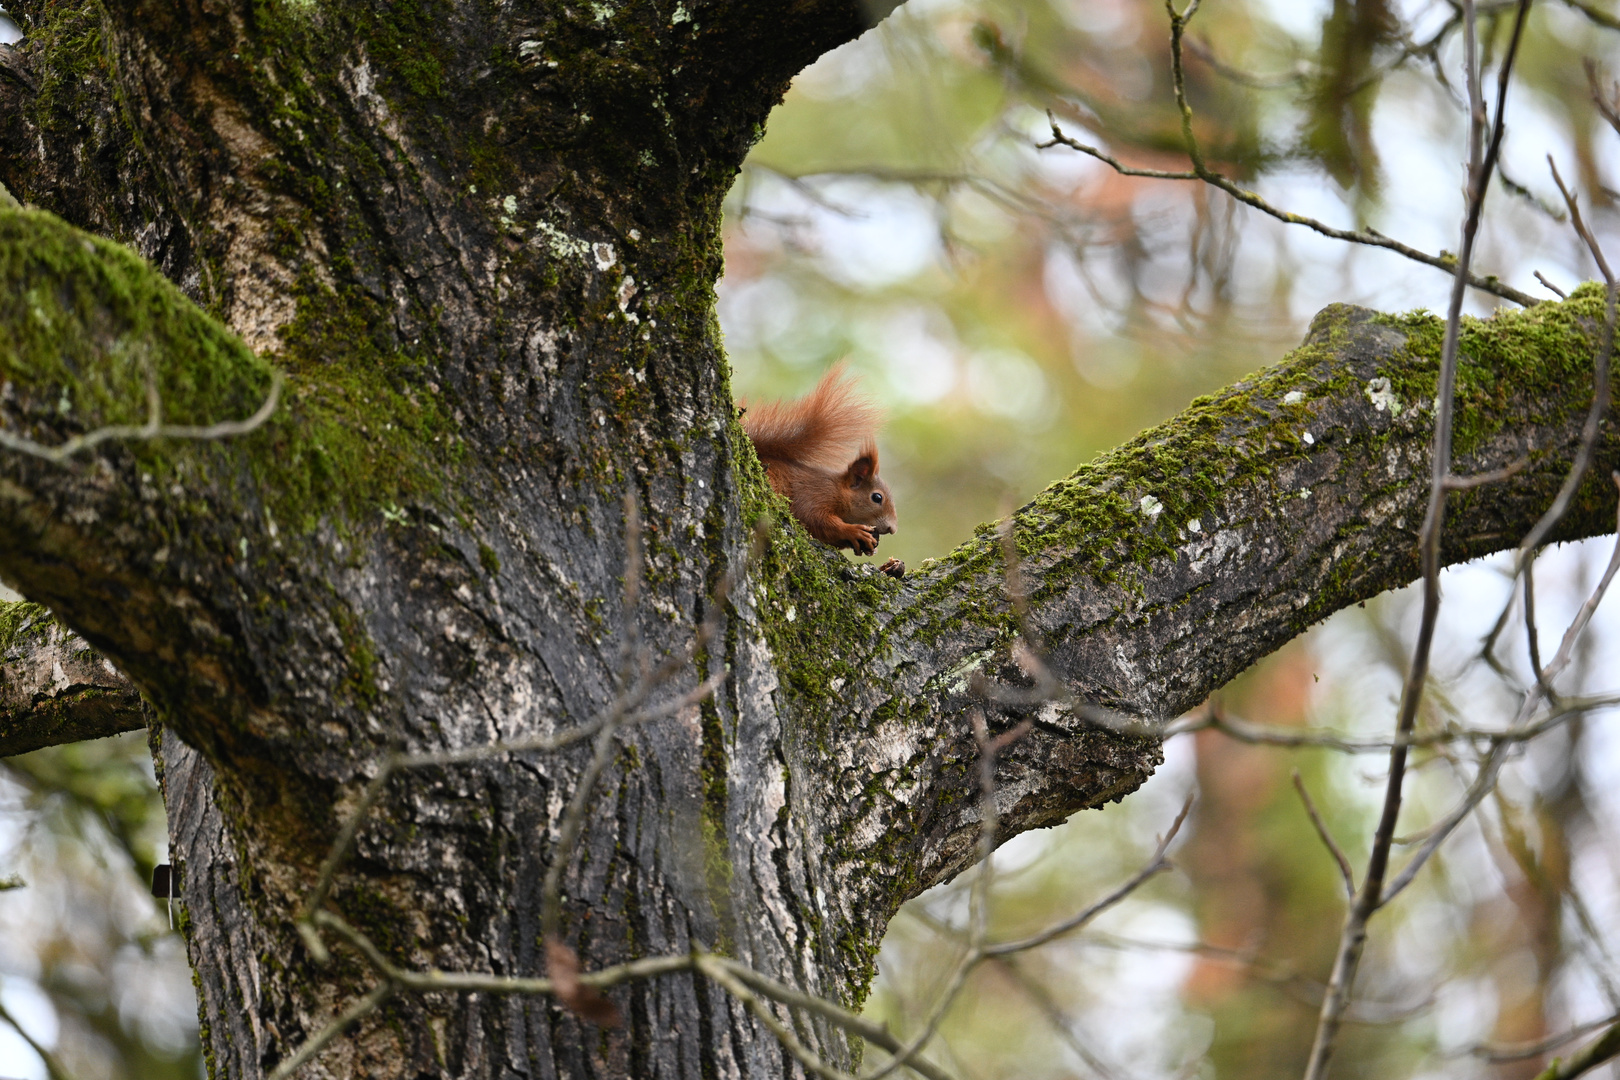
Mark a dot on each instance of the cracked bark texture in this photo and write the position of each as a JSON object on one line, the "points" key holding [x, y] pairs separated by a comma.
{"points": [[480, 239]]}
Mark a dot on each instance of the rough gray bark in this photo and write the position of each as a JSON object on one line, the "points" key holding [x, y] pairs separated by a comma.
{"points": [[481, 242], [55, 689]]}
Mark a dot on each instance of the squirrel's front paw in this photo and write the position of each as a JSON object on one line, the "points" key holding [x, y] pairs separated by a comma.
{"points": [[862, 539]]}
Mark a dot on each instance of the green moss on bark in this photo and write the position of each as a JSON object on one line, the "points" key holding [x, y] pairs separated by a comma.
{"points": [[84, 323]]}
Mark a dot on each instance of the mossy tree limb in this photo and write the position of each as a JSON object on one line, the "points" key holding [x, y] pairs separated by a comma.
{"points": [[481, 244], [1164, 568]]}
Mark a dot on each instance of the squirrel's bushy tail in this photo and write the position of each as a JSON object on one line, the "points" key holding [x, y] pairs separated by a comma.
{"points": [[827, 428]]}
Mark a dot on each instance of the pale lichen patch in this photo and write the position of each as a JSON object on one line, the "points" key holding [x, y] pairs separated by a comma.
{"points": [[560, 244], [1382, 396]]}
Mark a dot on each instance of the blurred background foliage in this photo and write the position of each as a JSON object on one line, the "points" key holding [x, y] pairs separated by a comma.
{"points": [[89, 967], [1017, 310]]}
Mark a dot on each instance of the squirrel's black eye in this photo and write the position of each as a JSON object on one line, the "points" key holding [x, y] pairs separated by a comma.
{"points": [[877, 496]]}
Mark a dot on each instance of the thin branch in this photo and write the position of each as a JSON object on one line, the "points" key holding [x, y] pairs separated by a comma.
{"points": [[784, 1035], [154, 428], [1555, 290], [1495, 476], [1156, 865], [1366, 236], [1499, 1054], [1608, 104], [1493, 762], [650, 967], [1326, 837], [1246, 731], [52, 1066], [480, 983], [1606, 1047], [317, 1042], [874, 1033], [1481, 161], [1532, 638]]}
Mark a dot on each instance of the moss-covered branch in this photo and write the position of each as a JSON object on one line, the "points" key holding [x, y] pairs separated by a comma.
{"points": [[1164, 568], [160, 551], [54, 688]]}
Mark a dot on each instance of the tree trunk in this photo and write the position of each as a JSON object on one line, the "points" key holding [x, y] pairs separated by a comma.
{"points": [[481, 242]]}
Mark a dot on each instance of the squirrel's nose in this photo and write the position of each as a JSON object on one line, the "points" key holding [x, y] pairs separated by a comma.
{"points": [[884, 530]]}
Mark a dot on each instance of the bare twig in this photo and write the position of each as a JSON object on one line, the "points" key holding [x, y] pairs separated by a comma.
{"points": [[1246, 731], [1495, 476], [784, 1035], [154, 428], [478, 982], [1532, 638], [1326, 837], [53, 1067], [1555, 290], [1366, 236], [1499, 1054], [1492, 764], [1155, 865], [1481, 161], [874, 1033], [1201, 171], [1608, 103], [316, 1043], [1606, 1047]]}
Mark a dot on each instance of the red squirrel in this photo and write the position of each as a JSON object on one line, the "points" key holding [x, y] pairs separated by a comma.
{"points": [[820, 453]]}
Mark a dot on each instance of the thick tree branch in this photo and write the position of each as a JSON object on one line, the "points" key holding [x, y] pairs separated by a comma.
{"points": [[1166, 567], [1163, 569], [102, 540], [54, 688]]}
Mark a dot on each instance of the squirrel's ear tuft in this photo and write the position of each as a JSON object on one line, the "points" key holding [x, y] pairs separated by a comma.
{"points": [[863, 468]]}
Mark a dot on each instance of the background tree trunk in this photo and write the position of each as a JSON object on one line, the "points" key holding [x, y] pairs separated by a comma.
{"points": [[481, 243]]}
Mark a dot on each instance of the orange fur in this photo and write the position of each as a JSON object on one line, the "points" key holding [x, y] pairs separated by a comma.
{"points": [[820, 453], [826, 428]]}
